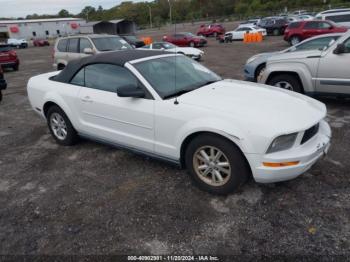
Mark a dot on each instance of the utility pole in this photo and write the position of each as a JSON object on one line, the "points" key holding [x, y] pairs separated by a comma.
{"points": [[150, 16], [170, 13]]}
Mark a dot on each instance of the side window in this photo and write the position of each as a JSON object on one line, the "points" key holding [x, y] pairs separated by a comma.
{"points": [[62, 45], [319, 43], [347, 46], [73, 45], [324, 25], [108, 77], [84, 43], [157, 46], [311, 25], [146, 47], [79, 78]]}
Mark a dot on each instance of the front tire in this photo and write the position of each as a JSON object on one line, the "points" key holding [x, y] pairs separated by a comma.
{"points": [[286, 81], [60, 127], [294, 40], [216, 165]]}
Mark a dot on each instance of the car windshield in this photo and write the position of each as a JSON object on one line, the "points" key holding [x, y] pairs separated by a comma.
{"points": [[110, 43], [320, 43], [5, 48], [168, 46], [175, 75]]}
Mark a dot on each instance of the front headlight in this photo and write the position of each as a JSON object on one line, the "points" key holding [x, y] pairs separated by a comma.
{"points": [[282, 143], [252, 59]]}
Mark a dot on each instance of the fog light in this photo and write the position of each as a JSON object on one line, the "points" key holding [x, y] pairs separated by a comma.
{"points": [[283, 164]]}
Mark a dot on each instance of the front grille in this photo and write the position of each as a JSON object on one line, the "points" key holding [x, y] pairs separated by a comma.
{"points": [[310, 133]]}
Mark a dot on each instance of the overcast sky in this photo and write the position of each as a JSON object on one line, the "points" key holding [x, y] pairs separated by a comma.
{"points": [[21, 8]]}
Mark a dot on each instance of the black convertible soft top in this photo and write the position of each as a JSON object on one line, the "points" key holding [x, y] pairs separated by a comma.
{"points": [[118, 58]]}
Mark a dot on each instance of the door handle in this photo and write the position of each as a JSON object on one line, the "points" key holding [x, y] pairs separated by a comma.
{"points": [[87, 99]]}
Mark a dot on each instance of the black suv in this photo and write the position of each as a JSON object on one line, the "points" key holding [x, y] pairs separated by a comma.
{"points": [[133, 41], [274, 25], [3, 83]]}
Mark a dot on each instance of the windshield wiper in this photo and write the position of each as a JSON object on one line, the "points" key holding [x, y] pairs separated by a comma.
{"points": [[208, 83], [178, 93]]}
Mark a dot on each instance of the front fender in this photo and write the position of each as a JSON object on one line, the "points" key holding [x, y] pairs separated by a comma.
{"points": [[217, 126], [294, 67]]}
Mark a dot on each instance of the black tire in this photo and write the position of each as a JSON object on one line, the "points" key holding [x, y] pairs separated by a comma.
{"points": [[258, 71], [239, 169], [15, 68], [72, 137], [60, 67], [215, 34], [192, 44], [287, 78]]}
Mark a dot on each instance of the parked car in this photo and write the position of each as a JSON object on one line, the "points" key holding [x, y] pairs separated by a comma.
{"points": [[3, 84], [8, 57], [274, 25], [306, 17], [19, 43], [191, 52], [299, 12], [312, 72], [211, 30], [239, 32], [339, 16], [299, 31], [291, 19], [222, 131], [41, 42], [74, 47], [185, 39], [250, 22], [257, 63], [133, 41]]}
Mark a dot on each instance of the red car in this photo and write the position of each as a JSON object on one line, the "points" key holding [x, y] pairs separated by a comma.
{"points": [[211, 30], [8, 57], [185, 39], [41, 42], [299, 31]]}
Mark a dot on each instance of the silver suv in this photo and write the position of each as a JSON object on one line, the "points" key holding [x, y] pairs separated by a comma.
{"points": [[312, 72], [75, 47]]}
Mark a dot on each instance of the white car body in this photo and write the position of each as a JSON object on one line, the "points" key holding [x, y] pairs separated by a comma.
{"points": [[250, 115], [191, 52], [239, 32], [17, 42]]}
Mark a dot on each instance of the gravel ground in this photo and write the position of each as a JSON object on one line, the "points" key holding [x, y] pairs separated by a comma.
{"points": [[92, 199]]}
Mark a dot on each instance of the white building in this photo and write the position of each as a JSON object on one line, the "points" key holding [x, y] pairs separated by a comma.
{"points": [[40, 28]]}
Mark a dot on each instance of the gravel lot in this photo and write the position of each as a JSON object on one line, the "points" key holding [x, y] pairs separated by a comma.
{"points": [[93, 199]]}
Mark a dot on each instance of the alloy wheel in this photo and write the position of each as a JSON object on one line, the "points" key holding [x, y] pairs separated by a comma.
{"points": [[284, 85], [58, 126], [212, 166]]}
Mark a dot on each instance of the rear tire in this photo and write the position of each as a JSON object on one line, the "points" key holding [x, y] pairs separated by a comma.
{"points": [[60, 127], [286, 81], [232, 166], [15, 68], [294, 40]]}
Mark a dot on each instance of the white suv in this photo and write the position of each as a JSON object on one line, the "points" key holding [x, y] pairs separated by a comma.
{"points": [[74, 47]]}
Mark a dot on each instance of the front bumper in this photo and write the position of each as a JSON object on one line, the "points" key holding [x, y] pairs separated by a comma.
{"points": [[306, 154]]}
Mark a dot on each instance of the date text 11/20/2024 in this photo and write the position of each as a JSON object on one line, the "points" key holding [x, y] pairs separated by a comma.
{"points": [[173, 258]]}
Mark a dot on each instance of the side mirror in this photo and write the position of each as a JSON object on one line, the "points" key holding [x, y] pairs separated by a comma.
{"points": [[340, 49], [131, 91], [88, 51]]}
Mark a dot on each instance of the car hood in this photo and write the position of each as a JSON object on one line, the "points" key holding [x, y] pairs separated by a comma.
{"points": [[257, 107], [295, 55]]}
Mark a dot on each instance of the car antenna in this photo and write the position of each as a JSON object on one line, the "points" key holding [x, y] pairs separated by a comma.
{"points": [[176, 102]]}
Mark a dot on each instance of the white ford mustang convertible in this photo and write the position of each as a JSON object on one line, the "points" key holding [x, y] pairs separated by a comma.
{"points": [[170, 107]]}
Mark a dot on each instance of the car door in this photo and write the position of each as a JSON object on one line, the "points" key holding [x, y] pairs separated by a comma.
{"points": [[311, 29], [104, 115], [72, 49], [239, 33], [334, 71]]}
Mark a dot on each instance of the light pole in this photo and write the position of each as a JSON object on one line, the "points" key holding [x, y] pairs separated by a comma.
{"points": [[150, 16], [170, 13]]}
